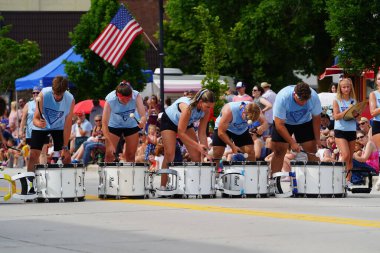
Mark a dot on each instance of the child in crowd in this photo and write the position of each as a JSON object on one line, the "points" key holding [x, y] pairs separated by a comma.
{"points": [[151, 141]]}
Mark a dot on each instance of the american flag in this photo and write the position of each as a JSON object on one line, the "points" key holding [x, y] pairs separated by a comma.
{"points": [[116, 38]]}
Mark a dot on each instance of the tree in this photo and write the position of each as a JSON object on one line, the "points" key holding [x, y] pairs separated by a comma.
{"points": [[267, 39], [16, 59], [214, 53], [94, 77], [354, 25]]}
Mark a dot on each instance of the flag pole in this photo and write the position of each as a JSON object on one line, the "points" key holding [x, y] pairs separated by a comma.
{"points": [[150, 41], [161, 52]]}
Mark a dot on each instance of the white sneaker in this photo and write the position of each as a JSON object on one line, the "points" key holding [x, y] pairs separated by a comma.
{"points": [[349, 186]]}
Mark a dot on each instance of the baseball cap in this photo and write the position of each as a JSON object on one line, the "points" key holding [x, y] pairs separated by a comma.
{"points": [[240, 85], [265, 84], [36, 89]]}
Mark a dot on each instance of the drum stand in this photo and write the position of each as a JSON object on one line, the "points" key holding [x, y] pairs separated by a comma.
{"points": [[368, 175]]}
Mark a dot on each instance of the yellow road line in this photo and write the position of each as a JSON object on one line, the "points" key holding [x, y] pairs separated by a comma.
{"points": [[249, 212]]}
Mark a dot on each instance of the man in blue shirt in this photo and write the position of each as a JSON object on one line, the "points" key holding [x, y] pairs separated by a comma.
{"points": [[297, 111]]}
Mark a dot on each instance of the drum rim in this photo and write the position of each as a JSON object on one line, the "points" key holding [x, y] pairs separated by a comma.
{"points": [[317, 163], [58, 166]]}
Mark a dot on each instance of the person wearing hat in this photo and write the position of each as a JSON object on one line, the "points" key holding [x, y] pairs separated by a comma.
{"points": [[365, 126], [269, 95], [241, 96], [119, 121], [297, 111]]}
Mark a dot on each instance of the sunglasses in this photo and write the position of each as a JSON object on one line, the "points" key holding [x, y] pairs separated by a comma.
{"points": [[254, 90], [330, 136], [362, 123], [98, 120], [35, 93], [360, 137]]}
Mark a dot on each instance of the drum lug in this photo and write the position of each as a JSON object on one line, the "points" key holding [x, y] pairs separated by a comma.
{"points": [[243, 196], [199, 196], [184, 196], [61, 200], [118, 197], [75, 199], [211, 196], [46, 200]]}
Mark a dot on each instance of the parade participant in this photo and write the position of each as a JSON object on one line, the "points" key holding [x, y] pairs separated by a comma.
{"points": [[27, 124], [179, 118], [118, 120], [297, 111], [231, 128], [53, 115], [269, 95], [374, 108], [345, 131]]}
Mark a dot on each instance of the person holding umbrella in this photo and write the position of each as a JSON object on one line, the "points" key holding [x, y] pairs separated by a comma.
{"points": [[119, 121]]}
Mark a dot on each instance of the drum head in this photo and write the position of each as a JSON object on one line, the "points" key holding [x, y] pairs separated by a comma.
{"points": [[354, 110]]}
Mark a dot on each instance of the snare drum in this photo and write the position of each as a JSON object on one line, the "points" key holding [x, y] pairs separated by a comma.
{"points": [[123, 180], [60, 182], [245, 179], [320, 179], [189, 179]]}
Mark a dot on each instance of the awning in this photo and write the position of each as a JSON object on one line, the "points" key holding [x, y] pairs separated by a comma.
{"points": [[333, 70]]}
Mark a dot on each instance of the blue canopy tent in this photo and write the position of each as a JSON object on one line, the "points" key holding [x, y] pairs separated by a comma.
{"points": [[45, 75]]}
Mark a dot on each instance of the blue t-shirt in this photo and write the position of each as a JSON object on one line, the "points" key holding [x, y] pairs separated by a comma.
{"points": [[286, 108], [377, 94], [174, 112], [238, 125], [29, 118], [120, 113], [341, 124], [55, 112]]}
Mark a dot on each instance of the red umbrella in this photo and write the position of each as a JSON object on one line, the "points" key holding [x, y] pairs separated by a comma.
{"points": [[86, 106]]}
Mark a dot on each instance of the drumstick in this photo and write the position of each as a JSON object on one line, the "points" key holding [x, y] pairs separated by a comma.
{"points": [[132, 115], [309, 153]]}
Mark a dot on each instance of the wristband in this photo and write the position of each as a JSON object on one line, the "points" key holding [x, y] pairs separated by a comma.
{"points": [[65, 148]]}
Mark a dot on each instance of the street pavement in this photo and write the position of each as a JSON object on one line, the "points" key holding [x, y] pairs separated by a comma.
{"points": [[338, 225]]}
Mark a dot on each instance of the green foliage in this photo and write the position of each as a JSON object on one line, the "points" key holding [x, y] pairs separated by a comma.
{"points": [[354, 25], [94, 77], [214, 53], [266, 39], [16, 59]]}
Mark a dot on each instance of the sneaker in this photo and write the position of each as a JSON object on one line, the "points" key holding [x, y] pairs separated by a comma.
{"points": [[349, 186], [75, 161]]}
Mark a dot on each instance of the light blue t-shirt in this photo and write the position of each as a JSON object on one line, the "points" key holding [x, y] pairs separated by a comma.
{"points": [[341, 124], [55, 112], [120, 113], [377, 94], [238, 125], [286, 108], [174, 112], [29, 118]]}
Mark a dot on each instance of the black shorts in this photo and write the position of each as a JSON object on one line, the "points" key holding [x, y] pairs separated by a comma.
{"points": [[375, 127], [347, 135], [123, 131], [239, 140], [167, 124], [29, 140], [41, 137], [303, 132]]}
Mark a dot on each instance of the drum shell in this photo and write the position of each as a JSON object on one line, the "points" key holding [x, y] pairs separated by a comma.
{"points": [[320, 179], [123, 179], [55, 181], [253, 177], [194, 178]]}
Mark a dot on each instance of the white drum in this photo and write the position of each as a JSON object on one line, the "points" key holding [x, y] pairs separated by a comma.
{"points": [[190, 179], [320, 179], [60, 182], [123, 180], [245, 179]]}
